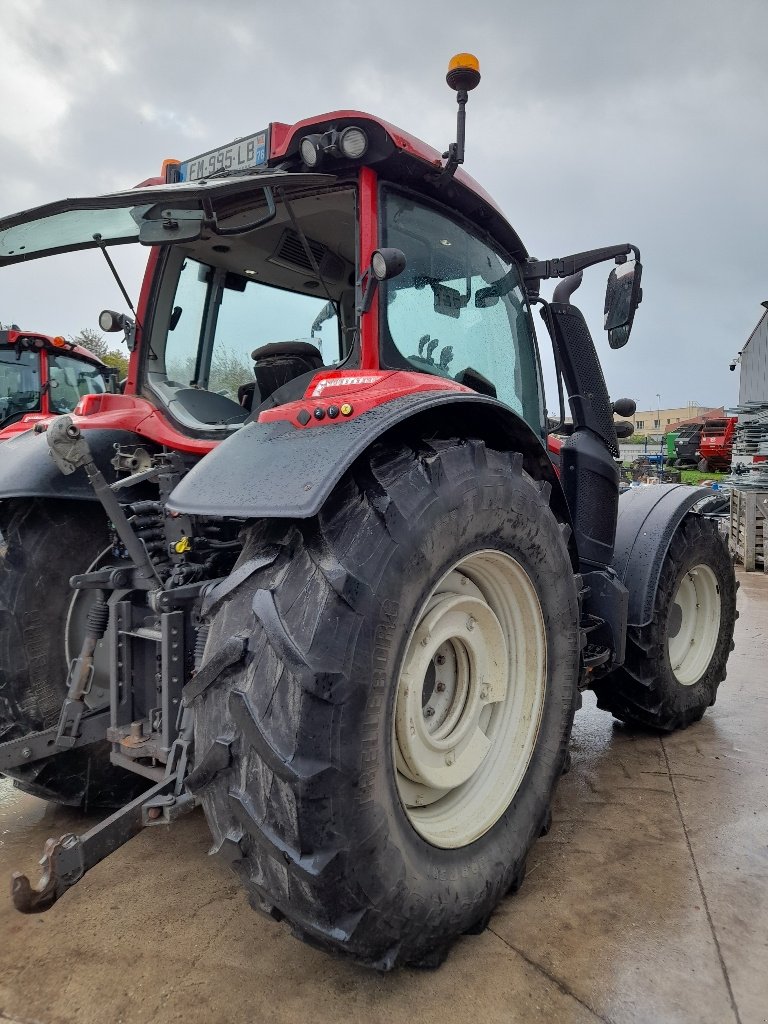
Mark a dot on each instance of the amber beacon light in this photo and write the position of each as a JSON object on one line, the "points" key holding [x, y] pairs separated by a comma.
{"points": [[463, 72], [463, 76]]}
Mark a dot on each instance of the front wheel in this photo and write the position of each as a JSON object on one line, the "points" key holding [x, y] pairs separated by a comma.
{"points": [[381, 758], [675, 664], [41, 627]]}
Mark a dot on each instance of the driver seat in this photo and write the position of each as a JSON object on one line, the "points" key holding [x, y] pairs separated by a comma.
{"points": [[275, 365]]}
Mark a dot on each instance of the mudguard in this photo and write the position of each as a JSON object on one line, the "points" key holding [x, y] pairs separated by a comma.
{"points": [[278, 470], [28, 471], [648, 518]]}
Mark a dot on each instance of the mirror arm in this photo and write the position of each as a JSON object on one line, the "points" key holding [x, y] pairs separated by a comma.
{"points": [[366, 293], [538, 270]]}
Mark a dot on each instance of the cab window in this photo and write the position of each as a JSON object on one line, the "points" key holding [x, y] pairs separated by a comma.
{"points": [[458, 310], [69, 380], [244, 320], [19, 384]]}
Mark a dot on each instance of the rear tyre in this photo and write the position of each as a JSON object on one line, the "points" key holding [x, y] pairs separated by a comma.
{"points": [[675, 664], [703, 466], [47, 542], [381, 758]]}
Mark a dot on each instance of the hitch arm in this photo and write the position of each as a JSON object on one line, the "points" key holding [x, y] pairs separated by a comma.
{"points": [[66, 860], [70, 451], [31, 747]]}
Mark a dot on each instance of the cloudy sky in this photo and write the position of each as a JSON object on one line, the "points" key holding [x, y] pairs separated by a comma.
{"points": [[595, 123]]}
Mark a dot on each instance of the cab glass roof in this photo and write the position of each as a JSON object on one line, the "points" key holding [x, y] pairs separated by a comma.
{"points": [[116, 218]]}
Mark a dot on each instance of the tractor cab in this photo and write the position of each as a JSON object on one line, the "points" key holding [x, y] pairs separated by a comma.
{"points": [[42, 377], [332, 250]]}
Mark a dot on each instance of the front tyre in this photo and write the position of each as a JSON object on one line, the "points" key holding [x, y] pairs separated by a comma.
{"points": [[675, 664], [380, 760], [41, 628]]}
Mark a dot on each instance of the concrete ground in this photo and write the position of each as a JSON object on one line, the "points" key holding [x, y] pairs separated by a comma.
{"points": [[647, 902]]}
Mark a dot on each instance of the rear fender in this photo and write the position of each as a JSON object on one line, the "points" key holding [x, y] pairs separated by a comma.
{"points": [[648, 518], [276, 470], [28, 471]]}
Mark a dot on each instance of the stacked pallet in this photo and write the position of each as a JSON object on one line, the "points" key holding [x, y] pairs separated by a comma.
{"points": [[748, 533]]}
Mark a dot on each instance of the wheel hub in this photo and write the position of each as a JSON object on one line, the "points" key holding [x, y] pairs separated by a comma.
{"points": [[693, 624], [469, 699]]}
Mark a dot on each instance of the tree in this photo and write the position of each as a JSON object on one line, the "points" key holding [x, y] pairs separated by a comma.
{"points": [[228, 371], [92, 340]]}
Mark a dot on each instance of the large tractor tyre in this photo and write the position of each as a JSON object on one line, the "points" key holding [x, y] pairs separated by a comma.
{"points": [[381, 752], [674, 665], [47, 542]]}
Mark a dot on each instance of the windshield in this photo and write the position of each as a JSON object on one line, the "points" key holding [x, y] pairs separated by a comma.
{"points": [[248, 319], [69, 380], [19, 384], [459, 309]]}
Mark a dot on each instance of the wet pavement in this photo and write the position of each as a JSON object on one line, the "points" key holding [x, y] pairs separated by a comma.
{"points": [[647, 902]]}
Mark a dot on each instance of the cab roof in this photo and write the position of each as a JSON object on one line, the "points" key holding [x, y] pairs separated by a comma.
{"points": [[11, 337], [407, 160]]}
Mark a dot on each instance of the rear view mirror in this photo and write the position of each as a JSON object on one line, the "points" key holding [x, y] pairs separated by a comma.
{"points": [[622, 297]]}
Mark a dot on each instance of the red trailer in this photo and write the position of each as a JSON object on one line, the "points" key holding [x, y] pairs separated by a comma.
{"points": [[716, 444]]}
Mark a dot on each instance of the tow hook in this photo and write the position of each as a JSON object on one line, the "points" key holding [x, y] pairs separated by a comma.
{"points": [[66, 860]]}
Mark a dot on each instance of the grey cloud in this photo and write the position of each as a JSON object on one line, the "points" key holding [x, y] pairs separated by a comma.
{"points": [[594, 123]]}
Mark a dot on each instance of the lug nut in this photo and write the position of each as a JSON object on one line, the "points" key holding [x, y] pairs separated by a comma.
{"points": [[470, 623], [26, 753], [428, 712], [439, 687], [440, 659]]}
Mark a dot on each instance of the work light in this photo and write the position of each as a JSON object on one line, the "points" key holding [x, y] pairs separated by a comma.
{"points": [[353, 143]]}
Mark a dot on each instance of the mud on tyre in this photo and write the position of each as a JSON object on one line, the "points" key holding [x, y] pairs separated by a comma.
{"points": [[332, 629]]}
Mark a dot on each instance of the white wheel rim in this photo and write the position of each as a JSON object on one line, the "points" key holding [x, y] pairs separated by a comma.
{"points": [[469, 699], [693, 624]]}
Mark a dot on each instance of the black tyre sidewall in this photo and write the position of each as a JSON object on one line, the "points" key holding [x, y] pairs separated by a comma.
{"points": [[469, 876], [47, 543], [386, 895], [708, 550], [645, 691]]}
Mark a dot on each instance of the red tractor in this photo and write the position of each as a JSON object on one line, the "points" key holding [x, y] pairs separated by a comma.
{"points": [[42, 377], [315, 569]]}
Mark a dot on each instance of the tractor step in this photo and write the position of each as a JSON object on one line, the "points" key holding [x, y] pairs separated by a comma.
{"points": [[593, 655]]}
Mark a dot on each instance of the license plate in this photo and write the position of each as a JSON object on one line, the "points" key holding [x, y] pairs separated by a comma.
{"points": [[241, 154]]}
